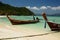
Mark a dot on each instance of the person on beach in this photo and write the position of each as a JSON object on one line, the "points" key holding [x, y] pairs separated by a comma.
{"points": [[33, 18], [37, 18]]}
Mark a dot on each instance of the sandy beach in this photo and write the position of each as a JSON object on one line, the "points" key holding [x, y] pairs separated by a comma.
{"points": [[8, 32]]}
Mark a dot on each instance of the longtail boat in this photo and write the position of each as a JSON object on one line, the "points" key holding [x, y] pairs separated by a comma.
{"points": [[17, 22], [53, 26]]}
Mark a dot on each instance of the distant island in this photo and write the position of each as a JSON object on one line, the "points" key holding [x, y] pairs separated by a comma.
{"points": [[55, 14], [11, 10]]}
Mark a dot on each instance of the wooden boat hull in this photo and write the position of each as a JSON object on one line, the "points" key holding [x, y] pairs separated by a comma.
{"points": [[54, 26], [17, 22]]}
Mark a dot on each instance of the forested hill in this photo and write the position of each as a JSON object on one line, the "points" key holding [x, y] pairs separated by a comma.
{"points": [[11, 10]]}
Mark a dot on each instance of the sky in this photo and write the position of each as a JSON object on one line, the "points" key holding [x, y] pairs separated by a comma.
{"points": [[37, 6]]}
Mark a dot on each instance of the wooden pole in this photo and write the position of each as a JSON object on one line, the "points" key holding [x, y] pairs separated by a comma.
{"points": [[45, 25]]}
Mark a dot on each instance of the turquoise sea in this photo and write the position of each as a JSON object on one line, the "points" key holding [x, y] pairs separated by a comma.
{"points": [[36, 26]]}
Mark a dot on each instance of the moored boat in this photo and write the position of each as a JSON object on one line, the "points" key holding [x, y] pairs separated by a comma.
{"points": [[53, 26], [17, 22]]}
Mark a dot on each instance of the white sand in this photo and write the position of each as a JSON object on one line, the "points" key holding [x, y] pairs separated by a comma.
{"points": [[8, 31], [2, 16]]}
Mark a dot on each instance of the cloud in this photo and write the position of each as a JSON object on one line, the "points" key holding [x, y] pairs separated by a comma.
{"points": [[34, 8], [56, 8], [43, 8], [28, 7], [49, 7]]}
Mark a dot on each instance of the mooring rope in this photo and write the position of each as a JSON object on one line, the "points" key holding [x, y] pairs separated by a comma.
{"points": [[28, 36]]}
